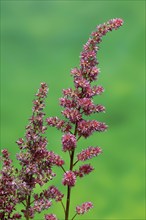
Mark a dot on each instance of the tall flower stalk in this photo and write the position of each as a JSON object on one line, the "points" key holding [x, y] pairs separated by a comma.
{"points": [[77, 103]]}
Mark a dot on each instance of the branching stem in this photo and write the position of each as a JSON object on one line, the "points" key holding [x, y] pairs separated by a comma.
{"points": [[63, 169], [74, 216], [75, 163], [63, 206]]}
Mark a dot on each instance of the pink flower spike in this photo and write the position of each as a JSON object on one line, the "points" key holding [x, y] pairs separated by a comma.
{"points": [[69, 178], [72, 114], [53, 193], [84, 170], [59, 124], [86, 128], [75, 72], [68, 142], [54, 159], [89, 153], [50, 217], [116, 23], [85, 207], [97, 90]]}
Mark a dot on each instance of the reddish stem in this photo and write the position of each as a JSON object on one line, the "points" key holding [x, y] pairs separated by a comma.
{"points": [[69, 188]]}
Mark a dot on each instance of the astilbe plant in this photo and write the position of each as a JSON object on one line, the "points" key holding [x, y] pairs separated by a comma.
{"points": [[36, 162]]}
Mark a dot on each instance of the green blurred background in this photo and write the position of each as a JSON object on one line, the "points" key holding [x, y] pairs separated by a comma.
{"points": [[41, 42]]}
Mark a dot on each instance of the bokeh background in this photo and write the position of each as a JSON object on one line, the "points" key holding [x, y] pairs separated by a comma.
{"points": [[41, 42]]}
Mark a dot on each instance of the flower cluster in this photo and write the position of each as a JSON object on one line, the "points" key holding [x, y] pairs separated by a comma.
{"points": [[69, 178], [87, 127], [41, 204], [84, 170], [8, 189], [59, 124], [68, 142], [85, 207], [72, 114], [53, 193], [55, 159], [50, 217], [88, 61], [89, 153], [43, 201]]}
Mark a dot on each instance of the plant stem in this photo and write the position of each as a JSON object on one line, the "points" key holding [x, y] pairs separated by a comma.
{"points": [[69, 189], [74, 216], [63, 169], [63, 206], [67, 203], [27, 207], [75, 163]]}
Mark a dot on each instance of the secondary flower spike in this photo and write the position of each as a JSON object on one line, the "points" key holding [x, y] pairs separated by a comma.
{"points": [[69, 179], [89, 153], [85, 207], [37, 162], [68, 142]]}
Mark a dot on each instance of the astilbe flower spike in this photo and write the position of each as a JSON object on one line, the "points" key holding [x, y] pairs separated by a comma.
{"points": [[89, 153], [52, 193], [68, 142], [77, 103], [85, 207], [84, 170], [69, 178], [36, 162]]}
